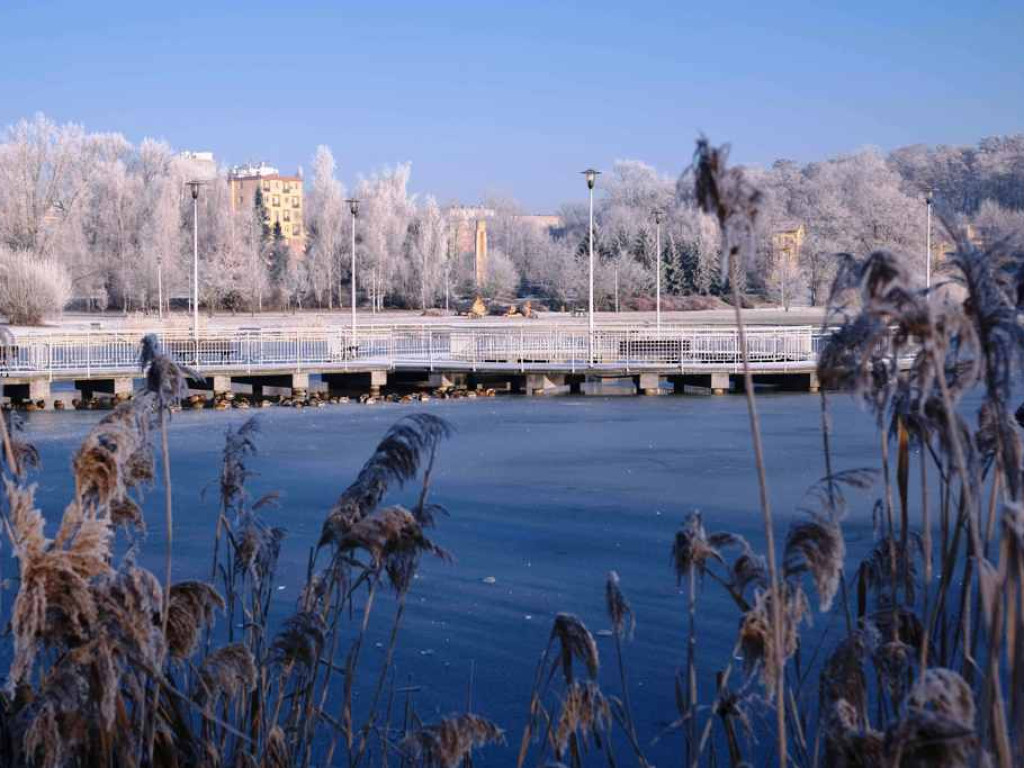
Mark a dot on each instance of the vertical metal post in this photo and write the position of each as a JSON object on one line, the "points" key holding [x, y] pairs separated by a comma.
{"points": [[353, 278], [657, 273], [928, 242], [591, 313], [160, 287], [353, 206], [195, 266]]}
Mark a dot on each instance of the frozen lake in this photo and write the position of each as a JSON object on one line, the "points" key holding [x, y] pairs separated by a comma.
{"points": [[546, 496]]}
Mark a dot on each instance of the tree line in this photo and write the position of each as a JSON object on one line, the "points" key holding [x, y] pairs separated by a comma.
{"points": [[93, 217]]}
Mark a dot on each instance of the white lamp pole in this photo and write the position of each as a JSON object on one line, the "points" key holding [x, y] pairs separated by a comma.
{"points": [[194, 186], [591, 176], [657, 268], [353, 206], [160, 287], [928, 240]]}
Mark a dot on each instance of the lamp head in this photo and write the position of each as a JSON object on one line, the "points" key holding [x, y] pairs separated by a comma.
{"points": [[658, 215], [591, 176], [353, 205]]}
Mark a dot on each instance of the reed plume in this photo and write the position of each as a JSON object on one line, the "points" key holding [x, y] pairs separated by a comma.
{"points": [[585, 712], [816, 547], [449, 743], [937, 727], [55, 606], [192, 607], [228, 671], [619, 610], [574, 643], [758, 635], [300, 640], [396, 460]]}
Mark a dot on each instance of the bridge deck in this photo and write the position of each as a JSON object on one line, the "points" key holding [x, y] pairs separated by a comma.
{"points": [[541, 349]]}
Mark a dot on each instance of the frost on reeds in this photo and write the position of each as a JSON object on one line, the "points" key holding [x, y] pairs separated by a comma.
{"points": [[448, 744], [566, 717], [192, 608], [109, 666], [619, 610]]}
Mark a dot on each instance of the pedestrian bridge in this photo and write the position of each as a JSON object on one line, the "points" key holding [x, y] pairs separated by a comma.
{"points": [[553, 354]]}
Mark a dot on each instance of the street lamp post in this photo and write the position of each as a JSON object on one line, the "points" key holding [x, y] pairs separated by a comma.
{"points": [[353, 206], [194, 187], [658, 214], [928, 240], [591, 176], [160, 287]]}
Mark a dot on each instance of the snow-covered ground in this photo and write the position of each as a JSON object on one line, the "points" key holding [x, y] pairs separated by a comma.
{"points": [[179, 320]]}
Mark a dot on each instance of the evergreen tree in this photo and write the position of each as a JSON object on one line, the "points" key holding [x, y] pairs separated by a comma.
{"points": [[676, 271], [262, 215]]}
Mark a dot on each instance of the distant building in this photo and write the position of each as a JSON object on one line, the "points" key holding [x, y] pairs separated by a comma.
{"points": [[468, 235], [787, 239], [468, 232], [202, 165], [282, 197], [542, 221]]}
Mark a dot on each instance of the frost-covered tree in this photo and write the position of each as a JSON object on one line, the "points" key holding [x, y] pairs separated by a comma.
{"points": [[325, 229], [31, 288], [386, 211], [429, 251]]}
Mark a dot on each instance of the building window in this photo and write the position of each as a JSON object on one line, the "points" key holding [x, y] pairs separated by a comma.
{"points": [[266, 186], [287, 216], [295, 202], [277, 200], [297, 230]]}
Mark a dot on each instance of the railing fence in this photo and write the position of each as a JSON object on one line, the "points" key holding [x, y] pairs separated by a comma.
{"points": [[253, 349]]}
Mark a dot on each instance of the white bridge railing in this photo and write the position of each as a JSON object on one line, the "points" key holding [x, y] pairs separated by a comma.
{"points": [[536, 347]]}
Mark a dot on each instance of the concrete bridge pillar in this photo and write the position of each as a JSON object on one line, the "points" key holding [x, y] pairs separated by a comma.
{"points": [[120, 388], [648, 384], [221, 385], [300, 384], [378, 380], [33, 389], [446, 380], [719, 383], [812, 382], [575, 384], [540, 383]]}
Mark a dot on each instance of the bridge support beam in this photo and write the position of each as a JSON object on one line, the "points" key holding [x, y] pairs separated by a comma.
{"points": [[648, 384], [356, 383], [539, 383], [447, 380], [31, 390], [221, 385], [300, 384], [295, 383], [718, 383], [119, 389]]}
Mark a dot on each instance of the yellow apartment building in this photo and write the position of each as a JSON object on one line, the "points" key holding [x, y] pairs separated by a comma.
{"points": [[282, 197]]}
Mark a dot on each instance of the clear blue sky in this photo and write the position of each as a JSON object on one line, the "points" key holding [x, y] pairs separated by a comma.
{"points": [[516, 97]]}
